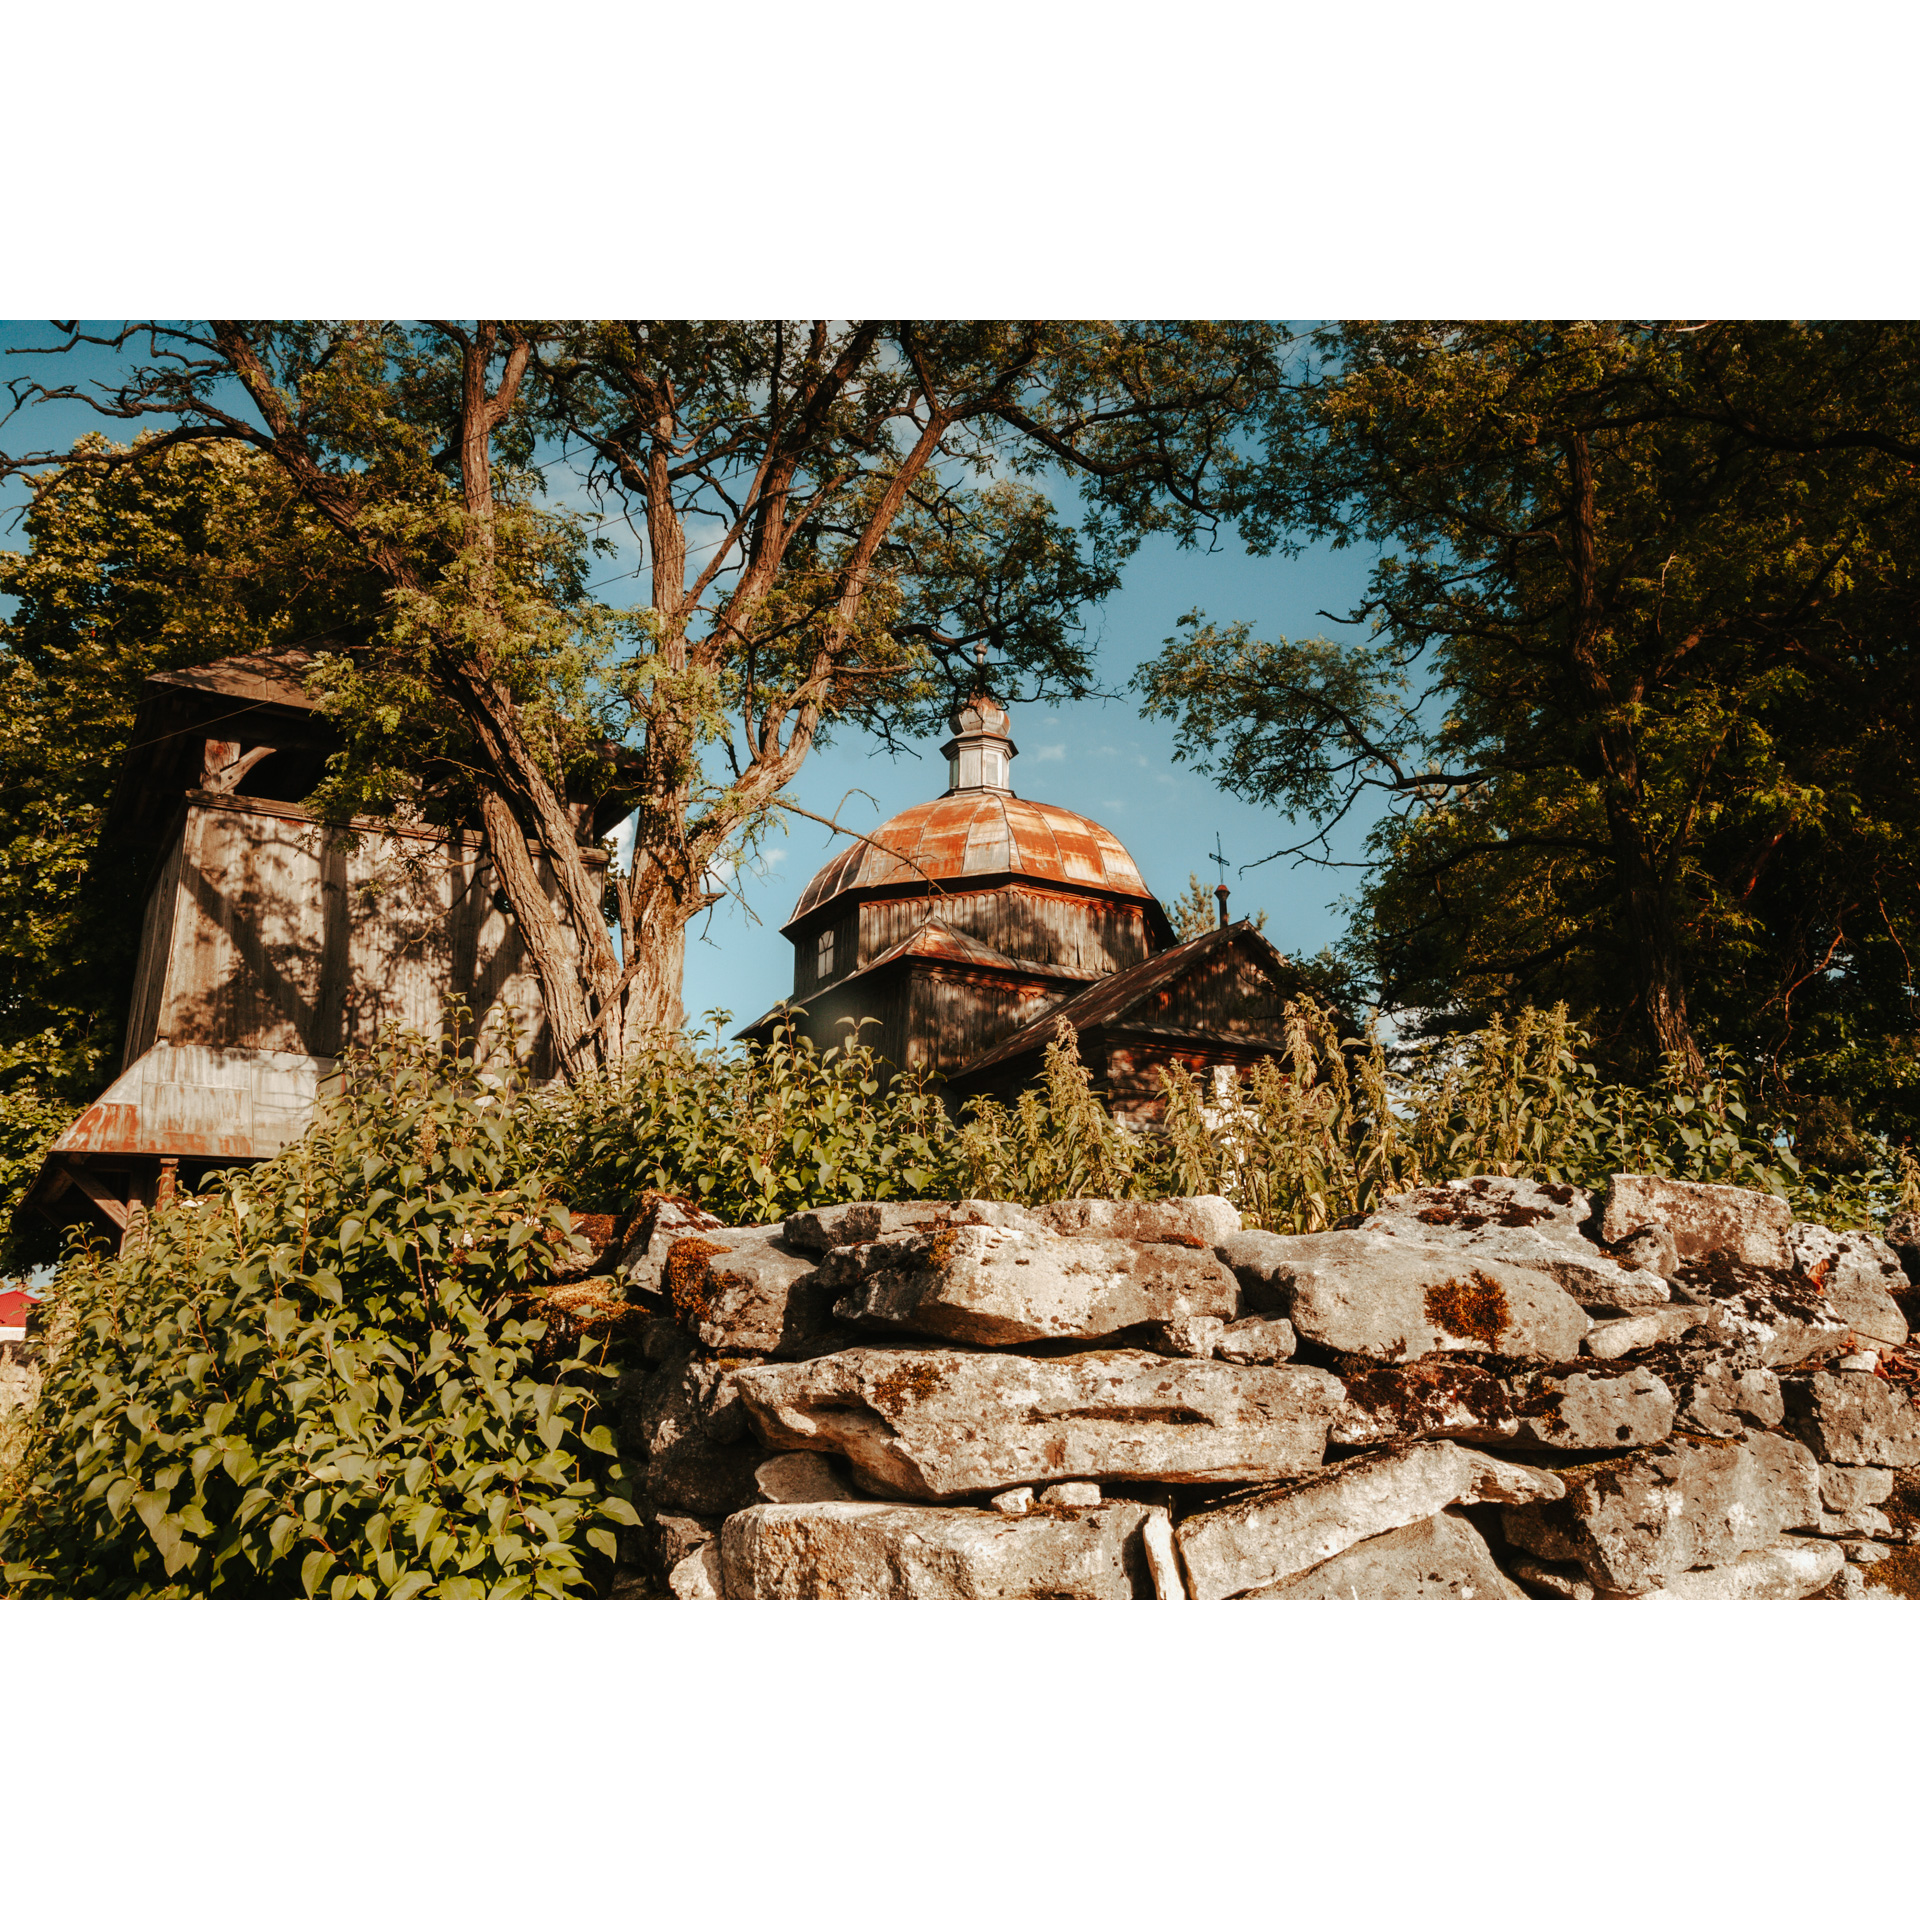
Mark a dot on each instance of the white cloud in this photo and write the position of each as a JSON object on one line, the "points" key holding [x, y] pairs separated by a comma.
{"points": [[1054, 750]]}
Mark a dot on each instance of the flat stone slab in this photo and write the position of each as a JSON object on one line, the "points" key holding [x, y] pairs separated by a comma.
{"points": [[934, 1424], [1762, 1317], [1443, 1558], [1788, 1570], [1200, 1220], [819, 1230], [1440, 1397], [1580, 1412], [1522, 1224], [1854, 1419], [1268, 1536], [1261, 1340], [1632, 1524], [1750, 1226], [864, 1550], [995, 1286], [1612, 1339], [1394, 1298]]}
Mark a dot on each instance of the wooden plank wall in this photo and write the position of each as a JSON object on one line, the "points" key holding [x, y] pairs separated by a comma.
{"points": [[279, 936], [156, 946], [1057, 930], [957, 1017]]}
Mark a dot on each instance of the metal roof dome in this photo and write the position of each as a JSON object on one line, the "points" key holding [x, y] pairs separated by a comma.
{"points": [[976, 834]]}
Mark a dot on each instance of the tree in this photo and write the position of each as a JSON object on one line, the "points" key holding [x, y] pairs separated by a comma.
{"points": [[833, 515], [1623, 568]]}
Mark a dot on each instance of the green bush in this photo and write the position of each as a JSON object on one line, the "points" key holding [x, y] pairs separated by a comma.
{"points": [[325, 1375], [754, 1135]]}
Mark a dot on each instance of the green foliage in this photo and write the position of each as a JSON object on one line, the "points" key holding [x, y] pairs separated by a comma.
{"points": [[1634, 679], [326, 1375], [1057, 1141], [196, 553], [1341, 1124], [754, 1135]]}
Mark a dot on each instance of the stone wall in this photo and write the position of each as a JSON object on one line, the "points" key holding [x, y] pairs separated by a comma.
{"points": [[1493, 1390], [20, 1362]]}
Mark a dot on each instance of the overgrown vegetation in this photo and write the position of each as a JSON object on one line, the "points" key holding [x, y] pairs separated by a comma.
{"points": [[330, 1374], [338, 1375]]}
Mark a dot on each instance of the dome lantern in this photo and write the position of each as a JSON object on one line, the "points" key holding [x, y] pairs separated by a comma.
{"points": [[981, 751]]}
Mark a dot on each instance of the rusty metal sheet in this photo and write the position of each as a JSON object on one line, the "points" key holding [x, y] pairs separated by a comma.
{"points": [[975, 834]]}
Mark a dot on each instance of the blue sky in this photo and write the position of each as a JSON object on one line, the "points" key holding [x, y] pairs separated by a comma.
{"points": [[1099, 757]]}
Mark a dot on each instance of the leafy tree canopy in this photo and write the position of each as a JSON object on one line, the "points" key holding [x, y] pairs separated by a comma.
{"points": [[1636, 675]]}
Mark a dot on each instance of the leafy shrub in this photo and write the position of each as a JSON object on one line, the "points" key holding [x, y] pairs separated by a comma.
{"points": [[755, 1135], [325, 1376]]}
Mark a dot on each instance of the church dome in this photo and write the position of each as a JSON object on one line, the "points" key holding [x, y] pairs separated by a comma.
{"points": [[975, 835]]}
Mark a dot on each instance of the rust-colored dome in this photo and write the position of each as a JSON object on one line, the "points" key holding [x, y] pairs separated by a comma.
{"points": [[976, 834]]}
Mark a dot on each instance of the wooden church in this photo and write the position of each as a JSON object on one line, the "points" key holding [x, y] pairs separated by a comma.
{"points": [[964, 926]]}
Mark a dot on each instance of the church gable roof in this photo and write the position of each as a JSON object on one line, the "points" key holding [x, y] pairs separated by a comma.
{"points": [[1128, 999]]}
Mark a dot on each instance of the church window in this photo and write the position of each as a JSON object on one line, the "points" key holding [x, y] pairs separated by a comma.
{"points": [[823, 962]]}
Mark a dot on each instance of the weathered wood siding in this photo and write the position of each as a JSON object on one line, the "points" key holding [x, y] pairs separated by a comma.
{"points": [[1024, 923], [1229, 995], [266, 930], [955, 1017]]}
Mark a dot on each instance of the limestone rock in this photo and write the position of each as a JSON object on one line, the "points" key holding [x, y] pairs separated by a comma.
{"points": [[1395, 1298], [1631, 1524], [1903, 1236], [1855, 1419], [1006, 1286], [1442, 1558], [1651, 1248], [1751, 1227], [933, 1424], [663, 1540], [1761, 1317], [1857, 1275], [1613, 1339], [1265, 1537], [1163, 1559], [698, 1576], [1846, 1489], [820, 1229], [1584, 1411], [1261, 1340], [1016, 1500], [799, 1479], [1438, 1397], [1495, 1200], [1521, 1224], [1201, 1220], [1069, 1493], [693, 1431], [1713, 1394], [1788, 1570], [1191, 1339], [752, 1297], [1567, 1582], [870, 1551]]}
